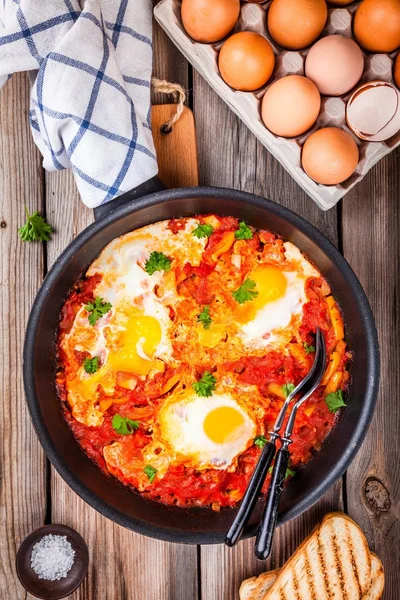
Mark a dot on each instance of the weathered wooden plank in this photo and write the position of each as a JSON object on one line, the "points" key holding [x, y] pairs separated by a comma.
{"points": [[22, 463], [371, 243], [230, 156]]}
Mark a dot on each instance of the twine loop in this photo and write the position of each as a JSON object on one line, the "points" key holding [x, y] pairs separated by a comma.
{"points": [[177, 92]]}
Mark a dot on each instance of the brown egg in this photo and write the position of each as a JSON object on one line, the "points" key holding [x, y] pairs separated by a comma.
{"points": [[377, 25], [330, 156], [295, 24], [396, 72], [291, 106], [246, 61], [209, 21]]}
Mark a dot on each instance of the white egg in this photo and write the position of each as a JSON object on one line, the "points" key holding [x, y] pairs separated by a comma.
{"points": [[206, 432]]}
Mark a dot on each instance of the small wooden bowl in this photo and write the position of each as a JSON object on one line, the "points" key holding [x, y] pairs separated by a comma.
{"points": [[52, 590]]}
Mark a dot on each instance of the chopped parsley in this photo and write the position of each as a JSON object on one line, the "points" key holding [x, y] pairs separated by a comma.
{"points": [[288, 388], [335, 401], [260, 441], [97, 309], [244, 232], [246, 292], [206, 385], [204, 317], [289, 472], [308, 348], [157, 261], [203, 230], [123, 425], [35, 229], [150, 472], [91, 365]]}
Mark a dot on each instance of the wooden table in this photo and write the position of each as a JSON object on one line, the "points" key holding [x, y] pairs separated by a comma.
{"points": [[124, 565]]}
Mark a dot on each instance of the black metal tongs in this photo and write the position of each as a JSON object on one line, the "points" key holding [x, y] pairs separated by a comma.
{"points": [[267, 525]]}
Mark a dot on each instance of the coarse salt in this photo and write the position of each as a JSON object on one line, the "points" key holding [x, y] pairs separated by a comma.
{"points": [[52, 557]]}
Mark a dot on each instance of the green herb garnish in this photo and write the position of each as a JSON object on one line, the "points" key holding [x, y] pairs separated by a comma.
{"points": [[244, 232], [97, 309], [204, 317], [150, 472], [308, 348], [91, 365], [289, 472], [157, 261], [260, 441], [246, 292], [35, 229], [335, 401], [203, 230], [288, 388], [206, 385], [123, 425]]}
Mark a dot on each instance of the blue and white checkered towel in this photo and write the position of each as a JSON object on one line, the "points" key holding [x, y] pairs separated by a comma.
{"points": [[90, 101]]}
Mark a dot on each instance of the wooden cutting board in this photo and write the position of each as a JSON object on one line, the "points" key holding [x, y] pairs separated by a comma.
{"points": [[176, 150]]}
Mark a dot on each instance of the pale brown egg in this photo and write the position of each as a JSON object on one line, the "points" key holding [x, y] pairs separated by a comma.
{"points": [[377, 25], [209, 21], [330, 156], [291, 106], [295, 24], [246, 61], [396, 72], [335, 64]]}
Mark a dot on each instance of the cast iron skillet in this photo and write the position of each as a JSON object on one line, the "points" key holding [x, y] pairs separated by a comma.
{"points": [[104, 493]]}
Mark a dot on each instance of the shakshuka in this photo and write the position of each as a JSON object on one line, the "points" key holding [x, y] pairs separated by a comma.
{"points": [[178, 347]]}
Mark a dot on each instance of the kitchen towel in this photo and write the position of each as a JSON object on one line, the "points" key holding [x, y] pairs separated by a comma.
{"points": [[91, 65]]}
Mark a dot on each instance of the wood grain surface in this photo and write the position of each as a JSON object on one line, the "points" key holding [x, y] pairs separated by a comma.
{"points": [[124, 565]]}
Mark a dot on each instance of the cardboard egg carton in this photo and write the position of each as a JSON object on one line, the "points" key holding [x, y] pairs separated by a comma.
{"points": [[246, 105]]}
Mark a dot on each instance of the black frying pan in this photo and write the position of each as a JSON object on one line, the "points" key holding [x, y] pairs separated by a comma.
{"points": [[103, 492]]}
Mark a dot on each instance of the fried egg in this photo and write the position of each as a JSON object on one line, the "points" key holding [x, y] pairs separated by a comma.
{"points": [[206, 432], [281, 295]]}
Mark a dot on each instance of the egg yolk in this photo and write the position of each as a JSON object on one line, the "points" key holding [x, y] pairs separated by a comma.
{"points": [[221, 424], [271, 285], [136, 346]]}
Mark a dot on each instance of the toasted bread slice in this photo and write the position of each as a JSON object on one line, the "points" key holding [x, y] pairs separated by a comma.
{"points": [[377, 578], [255, 588], [333, 563]]}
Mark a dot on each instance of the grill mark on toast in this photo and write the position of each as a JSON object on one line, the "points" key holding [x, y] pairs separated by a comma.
{"points": [[338, 563], [296, 585], [353, 560], [309, 578], [321, 558]]}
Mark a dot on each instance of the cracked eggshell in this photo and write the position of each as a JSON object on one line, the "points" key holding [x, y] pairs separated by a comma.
{"points": [[373, 111]]}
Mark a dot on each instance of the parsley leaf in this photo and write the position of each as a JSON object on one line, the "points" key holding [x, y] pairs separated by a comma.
{"points": [[97, 309], [308, 348], [123, 425], [335, 401], [206, 385], [288, 388], [35, 229], [157, 261], [246, 292], [204, 317], [91, 365], [244, 232], [289, 472], [203, 231], [260, 441], [150, 472]]}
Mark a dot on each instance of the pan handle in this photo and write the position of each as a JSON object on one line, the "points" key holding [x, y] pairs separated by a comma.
{"points": [[148, 187]]}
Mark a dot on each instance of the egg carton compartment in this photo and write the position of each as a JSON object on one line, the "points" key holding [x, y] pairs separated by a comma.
{"points": [[246, 105]]}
